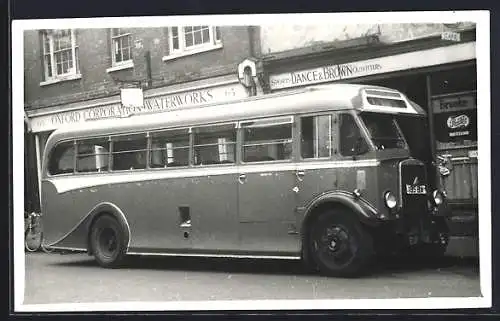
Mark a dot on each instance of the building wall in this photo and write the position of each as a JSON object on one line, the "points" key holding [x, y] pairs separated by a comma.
{"points": [[277, 38], [94, 58]]}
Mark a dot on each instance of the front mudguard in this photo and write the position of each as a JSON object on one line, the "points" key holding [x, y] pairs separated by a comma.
{"points": [[362, 209]]}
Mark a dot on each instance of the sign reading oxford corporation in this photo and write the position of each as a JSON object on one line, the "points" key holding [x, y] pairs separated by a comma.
{"points": [[154, 104]]}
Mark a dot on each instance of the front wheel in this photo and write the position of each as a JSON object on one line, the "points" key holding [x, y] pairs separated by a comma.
{"points": [[339, 245], [107, 241]]}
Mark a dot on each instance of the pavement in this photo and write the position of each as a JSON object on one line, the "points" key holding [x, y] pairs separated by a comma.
{"points": [[76, 278]]}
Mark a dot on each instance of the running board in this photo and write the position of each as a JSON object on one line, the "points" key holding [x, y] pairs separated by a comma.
{"points": [[237, 256]]}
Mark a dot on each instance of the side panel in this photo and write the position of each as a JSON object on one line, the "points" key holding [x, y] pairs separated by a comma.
{"points": [[343, 176], [267, 214], [154, 214], [214, 212], [150, 207]]}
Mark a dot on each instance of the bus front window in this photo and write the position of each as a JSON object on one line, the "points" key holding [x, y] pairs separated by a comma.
{"points": [[383, 131]]}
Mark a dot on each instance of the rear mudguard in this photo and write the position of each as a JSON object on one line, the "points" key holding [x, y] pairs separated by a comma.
{"points": [[78, 237]]}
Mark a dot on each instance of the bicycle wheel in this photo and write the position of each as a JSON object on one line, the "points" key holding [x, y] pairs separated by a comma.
{"points": [[33, 236], [32, 240], [47, 250]]}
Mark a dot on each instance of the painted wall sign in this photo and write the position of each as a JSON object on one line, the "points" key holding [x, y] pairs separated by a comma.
{"points": [[410, 60], [154, 104]]}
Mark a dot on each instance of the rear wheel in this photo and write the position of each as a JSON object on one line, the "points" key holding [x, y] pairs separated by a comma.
{"points": [[338, 244], [107, 241]]}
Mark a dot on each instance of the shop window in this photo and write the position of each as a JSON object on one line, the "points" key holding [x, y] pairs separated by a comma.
{"points": [[214, 145], [185, 40], [170, 149], [316, 136], [454, 80], [62, 159], [121, 44], [60, 55], [129, 152], [92, 155], [267, 140], [351, 141]]}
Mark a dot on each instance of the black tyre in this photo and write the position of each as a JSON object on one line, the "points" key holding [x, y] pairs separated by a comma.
{"points": [[107, 241], [339, 245]]}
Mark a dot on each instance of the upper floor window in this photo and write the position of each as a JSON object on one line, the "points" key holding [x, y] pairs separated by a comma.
{"points": [[121, 41], [60, 54], [185, 40]]}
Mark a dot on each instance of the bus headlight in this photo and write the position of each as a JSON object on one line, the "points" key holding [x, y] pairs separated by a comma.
{"points": [[438, 197], [390, 200]]}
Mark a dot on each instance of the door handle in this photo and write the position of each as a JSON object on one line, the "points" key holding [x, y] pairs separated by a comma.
{"points": [[242, 178], [300, 175]]}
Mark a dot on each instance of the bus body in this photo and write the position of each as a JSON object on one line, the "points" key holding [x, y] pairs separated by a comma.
{"points": [[322, 174]]}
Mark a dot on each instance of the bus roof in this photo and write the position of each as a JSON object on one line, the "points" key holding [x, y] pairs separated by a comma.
{"points": [[305, 100]]}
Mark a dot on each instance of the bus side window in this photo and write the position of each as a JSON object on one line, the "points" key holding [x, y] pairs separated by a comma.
{"points": [[92, 155], [351, 141], [169, 148], [129, 152], [267, 140], [62, 158], [316, 136], [214, 145]]}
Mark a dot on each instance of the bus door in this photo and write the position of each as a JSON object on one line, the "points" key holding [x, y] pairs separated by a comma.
{"points": [[266, 186], [455, 119], [213, 194]]}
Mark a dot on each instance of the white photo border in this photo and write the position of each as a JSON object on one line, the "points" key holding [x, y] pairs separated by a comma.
{"points": [[480, 18]]}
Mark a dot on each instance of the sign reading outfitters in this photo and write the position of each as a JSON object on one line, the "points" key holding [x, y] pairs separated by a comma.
{"points": [[409, 60], [152, 104]]}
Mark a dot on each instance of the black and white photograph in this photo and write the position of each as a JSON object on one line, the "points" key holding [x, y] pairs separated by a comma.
{"points": [[252, 162]]}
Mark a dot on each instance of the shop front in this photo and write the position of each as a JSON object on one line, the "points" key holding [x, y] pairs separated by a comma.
{"points": [[438, 75], [44, 121]]}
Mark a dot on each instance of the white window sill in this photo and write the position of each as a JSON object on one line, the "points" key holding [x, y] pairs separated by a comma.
{"points": [[192, 52], [60, 79], [123, 65]]}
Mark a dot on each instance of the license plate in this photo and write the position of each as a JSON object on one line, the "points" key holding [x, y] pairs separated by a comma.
{"points": [[416, 189]]}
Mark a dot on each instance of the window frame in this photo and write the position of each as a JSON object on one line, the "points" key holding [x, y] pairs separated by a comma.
{"points": [[49, 159], [152, 133], [236, 144], [183, 50], [114, 39], [83, 139], [363, 131], [74, 71], [334, 136], [291, 121], [115, 137]]}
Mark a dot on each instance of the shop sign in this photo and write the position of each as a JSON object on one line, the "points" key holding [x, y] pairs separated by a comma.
{"points": [[409, 60], [450, 36], [154, 104], [455, 119], [456, 103]]}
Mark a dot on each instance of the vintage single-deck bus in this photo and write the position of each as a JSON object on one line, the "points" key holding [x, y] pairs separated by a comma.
{"points": [[324, 174]]}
